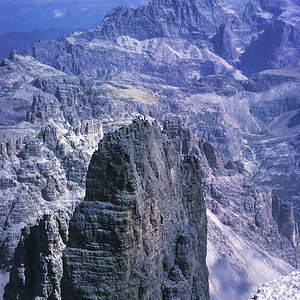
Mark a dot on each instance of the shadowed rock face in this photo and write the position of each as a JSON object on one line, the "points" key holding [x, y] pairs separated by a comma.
{"points": [[223, 44], [38, 267], [141, 231], [275, 40]]}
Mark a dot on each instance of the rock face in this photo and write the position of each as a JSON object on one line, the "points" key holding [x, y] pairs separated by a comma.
{"points": [[223, 42], [200, 37], [168, 40], [164, 18], [38, 267], [125, 220], [41, 173], [281, 41], [140, 233], [284, 216]]}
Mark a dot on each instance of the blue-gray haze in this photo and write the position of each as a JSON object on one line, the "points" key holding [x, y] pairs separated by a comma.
{"points": [[23, 15]]}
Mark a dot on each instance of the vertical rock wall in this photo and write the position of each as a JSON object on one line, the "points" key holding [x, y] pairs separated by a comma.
{"points": [[141, 231], [38, 268]]}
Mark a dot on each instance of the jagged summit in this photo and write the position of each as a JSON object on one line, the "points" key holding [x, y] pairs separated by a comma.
{"points": [[217, 37], [141, 228], [193, 19]]}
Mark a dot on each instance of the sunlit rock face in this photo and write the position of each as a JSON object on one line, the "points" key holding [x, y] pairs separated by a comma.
{"points": [[169, 39]]}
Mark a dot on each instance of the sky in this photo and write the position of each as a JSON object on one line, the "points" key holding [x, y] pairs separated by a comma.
{"points": [[27, 15]]}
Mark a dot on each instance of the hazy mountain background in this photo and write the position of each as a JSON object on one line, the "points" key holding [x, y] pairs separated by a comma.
{"points": [[25, 22], [22, 40], [21, 15]]}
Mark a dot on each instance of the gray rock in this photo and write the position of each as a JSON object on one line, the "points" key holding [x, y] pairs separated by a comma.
{"points": [[141, 231], [284, 216], [285, 287], [38, 268], [223, 42], [277, 47], [248, 130]]}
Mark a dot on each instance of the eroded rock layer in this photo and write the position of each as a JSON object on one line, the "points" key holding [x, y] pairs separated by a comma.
{"points": [[141, 231], [38, 267]]}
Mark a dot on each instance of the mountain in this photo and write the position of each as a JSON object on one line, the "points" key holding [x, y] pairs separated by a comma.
{"points": [[20, 41], [150, 241], [145, 49], [188, 69], [153, 222], [22, 15], [151, 39]]}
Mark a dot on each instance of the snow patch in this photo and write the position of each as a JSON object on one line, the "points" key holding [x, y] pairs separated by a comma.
{"points": [[265, 15]]}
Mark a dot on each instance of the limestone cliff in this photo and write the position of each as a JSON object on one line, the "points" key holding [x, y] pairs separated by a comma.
{"points": [[141, 231]]}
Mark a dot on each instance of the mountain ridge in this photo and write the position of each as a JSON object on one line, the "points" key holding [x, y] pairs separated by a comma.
{"points": [[56, 105], [20, 41], [167, 19]]}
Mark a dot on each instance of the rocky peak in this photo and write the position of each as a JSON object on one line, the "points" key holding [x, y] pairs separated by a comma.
{"points": [[139, 51], [141, 230], [164, 18]]}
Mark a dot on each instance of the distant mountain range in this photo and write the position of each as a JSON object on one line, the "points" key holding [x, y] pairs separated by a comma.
{"points": [[28, 15], [20, 41]]}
